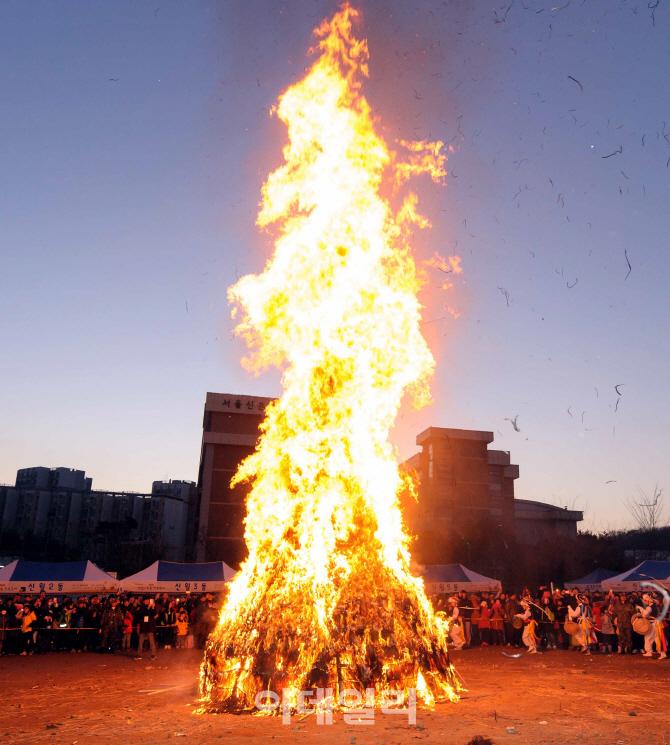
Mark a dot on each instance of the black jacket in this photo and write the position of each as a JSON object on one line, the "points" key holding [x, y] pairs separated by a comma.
{"points": [[145, 618]]}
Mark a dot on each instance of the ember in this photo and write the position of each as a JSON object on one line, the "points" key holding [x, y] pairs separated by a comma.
{"points": [[326, 598]]}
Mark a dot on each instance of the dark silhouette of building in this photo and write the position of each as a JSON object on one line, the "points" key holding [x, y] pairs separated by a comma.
{"points": [[53, 513], [39, 477]]}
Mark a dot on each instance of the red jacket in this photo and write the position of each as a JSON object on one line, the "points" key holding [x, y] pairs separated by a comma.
{"points": [[484, 618]]}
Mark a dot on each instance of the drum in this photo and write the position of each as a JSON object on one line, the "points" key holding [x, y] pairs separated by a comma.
{"points": [[571, 628], [641, 625], [517, 623]]}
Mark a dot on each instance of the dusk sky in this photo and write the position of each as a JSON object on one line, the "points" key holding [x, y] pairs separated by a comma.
{"points": [[135, 141]]}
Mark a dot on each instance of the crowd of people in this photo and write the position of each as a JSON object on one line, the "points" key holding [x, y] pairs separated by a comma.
{"points": [[102, 623], [624, 623]]}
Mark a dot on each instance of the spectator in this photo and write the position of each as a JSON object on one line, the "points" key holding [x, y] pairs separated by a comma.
{"points": [[164, 623], [561, 618], [464, 612], [596, 613], [28, 618], [484, 622], [170, 621], [512, 609], [4, 625], [548, 625], [609, 632], [45, 631], [127, 626], [145, 621], [200, 625], [92, 631], [497, 634], [111, 624], [474, 619], [182, 629]]}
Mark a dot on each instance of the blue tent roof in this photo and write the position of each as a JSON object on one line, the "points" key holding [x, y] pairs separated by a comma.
{"points": [[445, 573], [70, 571], [647, 570], [63, 576], [172, 576], [594, 578], [169, 571], [64, 571]]}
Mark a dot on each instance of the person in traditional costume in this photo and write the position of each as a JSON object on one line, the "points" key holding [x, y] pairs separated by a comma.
{"points": [[647, 609], [581, 615], [456, 630], [529, 637]]}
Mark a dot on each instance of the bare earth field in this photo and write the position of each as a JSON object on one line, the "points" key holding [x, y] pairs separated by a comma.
{"points": [[555, 697]]}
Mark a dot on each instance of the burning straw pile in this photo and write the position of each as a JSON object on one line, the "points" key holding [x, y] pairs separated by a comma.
{"points": [[326, 598]]}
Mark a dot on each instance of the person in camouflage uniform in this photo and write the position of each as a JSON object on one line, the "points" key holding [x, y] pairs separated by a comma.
{"points": [[110, 626], [623, 610]]}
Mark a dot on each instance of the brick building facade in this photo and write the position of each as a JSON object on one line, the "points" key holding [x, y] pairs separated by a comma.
{"points": [[231, 427], [461, 483]]}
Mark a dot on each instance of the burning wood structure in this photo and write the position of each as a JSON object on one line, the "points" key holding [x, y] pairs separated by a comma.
{"points": [[326, 597]]}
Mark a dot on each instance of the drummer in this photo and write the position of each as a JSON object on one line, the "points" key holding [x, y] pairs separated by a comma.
{"points": [[455, 624], [529, 625], [581, 615], [647, 609]]}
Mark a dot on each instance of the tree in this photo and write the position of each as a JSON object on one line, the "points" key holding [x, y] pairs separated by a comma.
{"points": [[647, 512]]}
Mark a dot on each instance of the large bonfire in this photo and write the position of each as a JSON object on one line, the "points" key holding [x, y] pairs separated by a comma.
{"points": [[326, 597]]}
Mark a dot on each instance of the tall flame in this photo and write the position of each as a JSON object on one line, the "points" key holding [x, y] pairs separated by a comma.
{"points": [[336, 310]]}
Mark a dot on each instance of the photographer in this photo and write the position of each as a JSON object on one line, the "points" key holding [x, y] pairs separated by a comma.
{"points": [[145, 621], [4, 625]]}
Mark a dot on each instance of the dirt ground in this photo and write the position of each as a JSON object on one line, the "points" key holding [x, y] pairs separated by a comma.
{"points": [[554, 697]]}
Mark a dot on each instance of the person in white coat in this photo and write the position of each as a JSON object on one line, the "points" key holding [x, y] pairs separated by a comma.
{"points": [[647, 610], [529, 637], [455, 624], [581, 616]]}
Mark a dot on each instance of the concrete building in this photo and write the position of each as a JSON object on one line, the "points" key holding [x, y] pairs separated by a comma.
{"points": [[40, 477], [231, 427], [538, 521], [461, 481], [173, 502], [57, 507]]}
